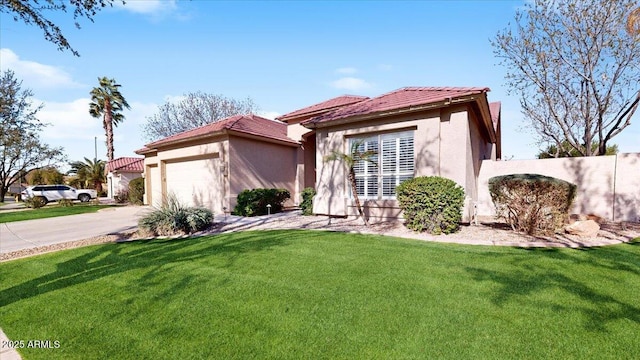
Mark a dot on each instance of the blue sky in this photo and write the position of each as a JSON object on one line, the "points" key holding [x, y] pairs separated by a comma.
{"points": [[284, 55]]}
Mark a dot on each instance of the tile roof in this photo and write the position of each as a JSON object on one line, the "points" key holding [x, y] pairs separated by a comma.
{"points": [[247, 124], [404, 98], [126, 164], [323, 106]]}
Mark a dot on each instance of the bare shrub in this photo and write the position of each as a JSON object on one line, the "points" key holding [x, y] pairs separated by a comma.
{"points": [[532, 203]]}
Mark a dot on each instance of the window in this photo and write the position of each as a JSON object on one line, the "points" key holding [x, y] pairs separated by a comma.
{"points": [[392, 164]]}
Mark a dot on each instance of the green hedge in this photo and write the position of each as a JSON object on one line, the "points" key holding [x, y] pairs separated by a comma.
{"points": [[254, 202], [136, 191], [532, 203], [307, 201], [431, 203]]}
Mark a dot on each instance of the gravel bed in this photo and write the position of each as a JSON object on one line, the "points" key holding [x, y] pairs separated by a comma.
{"points": [[487, 233]]}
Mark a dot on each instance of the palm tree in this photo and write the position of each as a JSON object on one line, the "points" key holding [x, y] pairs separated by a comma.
{"points": [[107, 102], [89, 173], [356, 155]]}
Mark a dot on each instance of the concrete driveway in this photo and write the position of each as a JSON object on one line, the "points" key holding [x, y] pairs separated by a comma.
{"points": [[22, 235]]}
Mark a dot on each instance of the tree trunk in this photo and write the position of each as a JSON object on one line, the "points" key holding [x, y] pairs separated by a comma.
{"points": [[354, 190], [109, 141], [3, 192], [108, 127]]}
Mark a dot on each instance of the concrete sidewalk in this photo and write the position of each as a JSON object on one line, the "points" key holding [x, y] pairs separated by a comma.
{"points": [[6, 352]]}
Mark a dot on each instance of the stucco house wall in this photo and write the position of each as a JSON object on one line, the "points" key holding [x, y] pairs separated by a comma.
{"points": [[258, 164], [208, 166], [446, 143], [119, 181]]}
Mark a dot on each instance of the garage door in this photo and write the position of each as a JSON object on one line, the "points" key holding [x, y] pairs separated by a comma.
{"points": [[154, 186], [195, 182]]}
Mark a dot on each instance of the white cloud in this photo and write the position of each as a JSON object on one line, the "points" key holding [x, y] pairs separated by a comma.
{"points": [[148, 7], [73, 128], [346, 70], [271, 115], [36, 75], [351, 83]]}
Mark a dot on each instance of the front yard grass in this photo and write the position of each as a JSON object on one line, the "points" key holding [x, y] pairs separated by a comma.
{"points": [[48, 211], [314, 294]]}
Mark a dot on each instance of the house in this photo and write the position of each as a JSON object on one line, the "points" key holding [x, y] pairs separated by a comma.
{"points": [[120, 171], [416, 131], [209, 165]]}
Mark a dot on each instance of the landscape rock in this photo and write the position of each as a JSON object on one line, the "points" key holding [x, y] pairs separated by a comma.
{"points": [[584, 228]]}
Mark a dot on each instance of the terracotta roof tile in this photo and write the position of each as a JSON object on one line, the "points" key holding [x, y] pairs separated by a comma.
{"points": [[126, 164], [404, 98], [324, 106], [248, 124]]}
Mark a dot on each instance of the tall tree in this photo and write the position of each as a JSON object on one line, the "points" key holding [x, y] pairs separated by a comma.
{"points": [[107, 102], [90, 173], [357, 155], [21, 149], [576, 67], [33, 12], [196, 109]]}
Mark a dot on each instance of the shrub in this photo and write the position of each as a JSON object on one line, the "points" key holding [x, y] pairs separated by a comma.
{"points": [[307, 201], [35, 202], [532, 203], [254, 202], [136, 191], [173, 218], [431, 203], [122, 197], [65, 202]]}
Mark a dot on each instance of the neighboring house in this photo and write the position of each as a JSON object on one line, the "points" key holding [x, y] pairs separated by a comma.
{"points": [[416, 131], [120, 171], [208, 166]]}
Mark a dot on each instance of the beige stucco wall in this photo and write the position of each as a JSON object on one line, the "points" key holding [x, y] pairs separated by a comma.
{"points": [[151, 177], [256, 164], [607, 185], [155, 168], [295, 131], [119, 182], [442, 146], [627, 187]]}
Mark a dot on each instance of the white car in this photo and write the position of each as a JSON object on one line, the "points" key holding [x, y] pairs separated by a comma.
{"points": [[58, 192]]}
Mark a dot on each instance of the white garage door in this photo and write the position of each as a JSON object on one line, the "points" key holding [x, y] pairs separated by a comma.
{"points": [[154, 186], [195, 182]]}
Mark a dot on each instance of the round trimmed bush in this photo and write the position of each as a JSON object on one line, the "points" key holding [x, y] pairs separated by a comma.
{"points": [[431, 203], [532, 203]]}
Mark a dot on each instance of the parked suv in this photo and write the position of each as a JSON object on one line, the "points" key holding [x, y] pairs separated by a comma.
{"points": [[58, 192]]}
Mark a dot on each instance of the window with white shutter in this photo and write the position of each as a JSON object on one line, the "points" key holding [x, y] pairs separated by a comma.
{"points": [[392, 164]]}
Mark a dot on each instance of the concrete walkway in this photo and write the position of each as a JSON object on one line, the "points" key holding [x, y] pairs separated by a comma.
{"points": [[6, 352]]}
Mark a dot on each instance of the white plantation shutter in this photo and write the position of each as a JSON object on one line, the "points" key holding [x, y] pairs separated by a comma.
{"points": [[395, 164]]}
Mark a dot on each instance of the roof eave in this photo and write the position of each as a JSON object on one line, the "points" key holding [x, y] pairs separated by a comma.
{"points": [[247, 135], [380, 114]]}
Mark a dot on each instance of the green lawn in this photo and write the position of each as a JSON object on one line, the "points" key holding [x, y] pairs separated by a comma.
{"points": [[312, 294], [47, 212]]}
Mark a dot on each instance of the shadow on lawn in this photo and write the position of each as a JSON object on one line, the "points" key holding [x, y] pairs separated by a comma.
{"points": [[151, 255], [527, 276]]}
